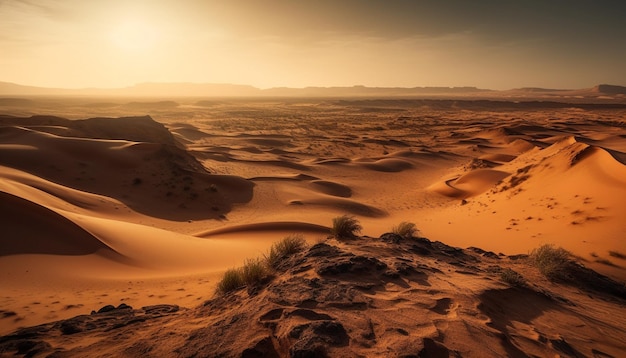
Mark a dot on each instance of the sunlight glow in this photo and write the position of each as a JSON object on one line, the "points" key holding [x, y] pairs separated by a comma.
{"points": [[134, 36]]}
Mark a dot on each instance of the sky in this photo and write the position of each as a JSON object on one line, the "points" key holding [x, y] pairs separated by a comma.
{"points": [[494, 44]]}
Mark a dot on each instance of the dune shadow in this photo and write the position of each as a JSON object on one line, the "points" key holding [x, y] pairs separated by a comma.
{"points": [[514, 304]]}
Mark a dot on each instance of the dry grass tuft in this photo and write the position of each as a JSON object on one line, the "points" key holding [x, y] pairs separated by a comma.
{"points": [[254, 271], [283, 249], [405, 229], [231, 281], [345, 227], [257, 271], [554, 263]]}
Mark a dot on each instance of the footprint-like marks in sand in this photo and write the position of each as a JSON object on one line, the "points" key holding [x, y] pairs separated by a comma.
{"points": [[445, 307]]}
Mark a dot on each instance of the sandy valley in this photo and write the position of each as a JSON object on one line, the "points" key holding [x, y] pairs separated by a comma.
{"points": [[147, 203]]}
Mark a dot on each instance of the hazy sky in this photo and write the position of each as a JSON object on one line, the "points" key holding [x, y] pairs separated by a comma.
{"points": [[497, 44]]}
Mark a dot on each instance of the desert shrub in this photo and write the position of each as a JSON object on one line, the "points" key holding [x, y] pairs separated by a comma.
{"points": [[405, 229], [283, 249], [557, 264], [232, 280], [512, 278], [617, 254], [552, 262], [257, 271], [254, 271], [345, 227]]}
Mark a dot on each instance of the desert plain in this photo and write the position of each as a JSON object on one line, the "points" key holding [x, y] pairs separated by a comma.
{"points": [[145, 203]]}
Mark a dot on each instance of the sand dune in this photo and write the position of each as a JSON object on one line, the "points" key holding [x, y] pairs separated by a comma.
{"points": [[471, 184], [388, 165], [147, 211], [33, 229], [140, 174], [331, 188], [497, 157], [298, 227]]}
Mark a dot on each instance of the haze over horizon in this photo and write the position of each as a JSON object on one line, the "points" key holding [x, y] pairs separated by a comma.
{"points": [[279, 43]]}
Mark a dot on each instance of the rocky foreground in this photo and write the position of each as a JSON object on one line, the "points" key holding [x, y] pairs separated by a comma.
{"points": [[386, 296]]}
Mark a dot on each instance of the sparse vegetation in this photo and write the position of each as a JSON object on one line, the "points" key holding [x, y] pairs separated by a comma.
{"points": [[254, 271], [283, 249], [345, 227], [405, 229], [512, 278], [552, 262], [231, 281]]}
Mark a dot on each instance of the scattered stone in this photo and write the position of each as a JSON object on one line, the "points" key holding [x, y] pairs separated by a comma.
{"points": [[107, 308], [391, 238]]}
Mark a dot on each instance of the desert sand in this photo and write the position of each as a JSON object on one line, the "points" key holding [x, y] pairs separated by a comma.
{"points": [[147, 203]]}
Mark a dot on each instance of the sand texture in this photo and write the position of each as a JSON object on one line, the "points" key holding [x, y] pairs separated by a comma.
{"points": [[148, 211], [385, 296]]}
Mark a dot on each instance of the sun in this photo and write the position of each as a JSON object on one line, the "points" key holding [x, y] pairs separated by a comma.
{"points": [[134, 35]]}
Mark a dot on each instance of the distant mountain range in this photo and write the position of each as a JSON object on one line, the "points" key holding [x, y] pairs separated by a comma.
{"points": [[231, 90]]}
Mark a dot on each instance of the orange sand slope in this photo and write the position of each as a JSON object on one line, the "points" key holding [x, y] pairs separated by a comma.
{"points": [[388, 296], [109, 210]]}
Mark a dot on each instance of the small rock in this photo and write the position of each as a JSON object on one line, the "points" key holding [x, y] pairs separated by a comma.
{"points": [[391, 238], [107, 308]]}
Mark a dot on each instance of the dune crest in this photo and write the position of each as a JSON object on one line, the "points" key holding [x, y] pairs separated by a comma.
{"points": [[471, 184], [34, 229]]}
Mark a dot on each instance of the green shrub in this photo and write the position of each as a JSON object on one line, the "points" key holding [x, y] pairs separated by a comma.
{"points": [[283, 249], [512, 278], [345, 227], [554, 263], [254, 271], [231, 281], [405, 229]]}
